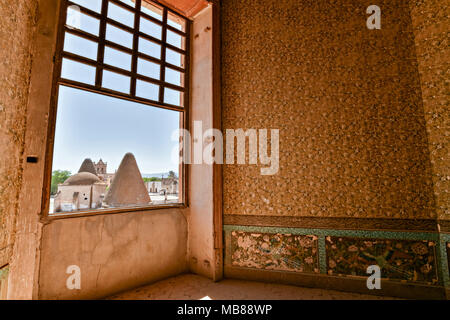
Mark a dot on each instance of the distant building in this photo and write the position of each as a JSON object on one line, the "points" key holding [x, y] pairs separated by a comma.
{"points": [[100, 167], [153, 186], [81, 191], [101, 171], [170, 185]]}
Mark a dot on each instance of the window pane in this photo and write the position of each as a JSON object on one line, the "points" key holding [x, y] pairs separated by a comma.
{"points": [[147, 90], [128, 2], [117, 58], [174, 58], [116, 82], [149, 69], [150, 48], [77, 71], [152, 10], [94, 5], [119, 36], [176, 22], [122, 148], [172, 97], [174, 77], [150, 28], [78, 20], [121, 15], [80, 46], [175, 39]]}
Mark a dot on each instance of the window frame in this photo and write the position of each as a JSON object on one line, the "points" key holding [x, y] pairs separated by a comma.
{"points": [[100, 66]]}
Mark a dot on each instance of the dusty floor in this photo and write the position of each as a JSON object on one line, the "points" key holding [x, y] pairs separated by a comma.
{"points": [[189, 286]]}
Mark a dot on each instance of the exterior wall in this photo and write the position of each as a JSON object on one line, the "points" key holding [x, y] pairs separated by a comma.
{"points": [[98, 194], [65, 201], [355, 185], [430, 19], [17, 27], [114, 252]]}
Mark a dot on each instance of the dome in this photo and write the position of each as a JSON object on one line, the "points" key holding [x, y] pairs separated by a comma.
{"points": [[82, 178], [88, 166]]}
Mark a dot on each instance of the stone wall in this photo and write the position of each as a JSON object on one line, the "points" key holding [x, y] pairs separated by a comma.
{"points": [[17, 25]]}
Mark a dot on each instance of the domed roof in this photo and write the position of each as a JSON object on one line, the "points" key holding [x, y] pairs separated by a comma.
{"points": [[127, 188], [81, 179], [88, 166]]}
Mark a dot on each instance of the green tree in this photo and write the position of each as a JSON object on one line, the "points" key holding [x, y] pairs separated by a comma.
{"points": [[172, 174], [58, 176], [151, 179]]}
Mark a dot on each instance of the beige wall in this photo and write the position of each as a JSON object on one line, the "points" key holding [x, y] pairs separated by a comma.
{"points": [[114, 252], [201, 228], [430, 19], [17, 25], [347, 101]]}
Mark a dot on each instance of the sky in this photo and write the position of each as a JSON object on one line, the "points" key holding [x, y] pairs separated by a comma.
{"points": [[96, 126]]}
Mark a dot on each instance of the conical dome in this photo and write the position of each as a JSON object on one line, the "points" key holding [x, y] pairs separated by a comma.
{"points": [[128, 187], [88, 166]]}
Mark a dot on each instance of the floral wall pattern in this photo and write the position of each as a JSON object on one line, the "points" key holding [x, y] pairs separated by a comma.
{"points": [[275, 251], [405, 260], [347, 101]]}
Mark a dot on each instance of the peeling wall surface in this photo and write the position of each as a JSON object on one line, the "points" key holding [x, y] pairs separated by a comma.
{"points": [[431, 20], [347, 101], [114, 252], [16, 34]]}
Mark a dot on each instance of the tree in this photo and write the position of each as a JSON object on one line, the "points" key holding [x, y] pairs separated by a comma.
{"points": [[151, 179], [58, 176], [172, 174]]}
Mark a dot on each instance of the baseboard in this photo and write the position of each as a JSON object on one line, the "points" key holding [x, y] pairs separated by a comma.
{"points": [[348, 284]]}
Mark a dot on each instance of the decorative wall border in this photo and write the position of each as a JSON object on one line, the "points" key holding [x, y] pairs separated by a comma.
{"points": [[382, 224], [440, 241], [4, 282]]}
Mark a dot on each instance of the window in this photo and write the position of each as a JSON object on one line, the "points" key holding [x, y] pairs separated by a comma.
{"points": [[120, 97]]}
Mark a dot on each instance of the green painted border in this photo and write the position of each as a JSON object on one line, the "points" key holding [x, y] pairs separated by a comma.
{"points": [[4, 272], [443, 259], [441, 240], [322, 255]]}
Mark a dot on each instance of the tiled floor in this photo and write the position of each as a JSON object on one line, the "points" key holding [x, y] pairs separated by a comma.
{"points": [[189, 286]]}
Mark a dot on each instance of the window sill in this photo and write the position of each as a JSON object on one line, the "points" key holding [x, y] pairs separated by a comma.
{"points": [[47, 218]]}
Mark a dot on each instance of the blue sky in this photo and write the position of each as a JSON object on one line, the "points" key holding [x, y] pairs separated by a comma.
{"points": [[95, 126]]}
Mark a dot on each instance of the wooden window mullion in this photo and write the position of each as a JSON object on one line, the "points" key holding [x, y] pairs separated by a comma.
{"points": [[163, 55], [134, 61], [101, 44]]}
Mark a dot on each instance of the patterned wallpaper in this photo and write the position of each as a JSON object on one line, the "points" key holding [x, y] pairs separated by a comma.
{"points": [[347, 101], [431, 19], [413, 261], [282, 252]]}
